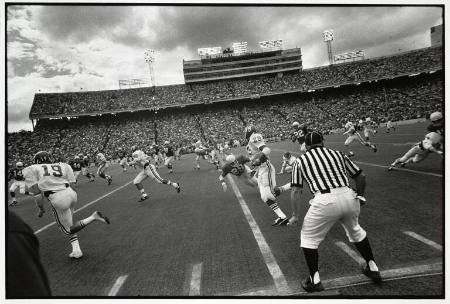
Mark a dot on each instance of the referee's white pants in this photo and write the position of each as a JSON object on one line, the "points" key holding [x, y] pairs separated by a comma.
{"points": [[150, 171], [341, 205], [266, 181]]}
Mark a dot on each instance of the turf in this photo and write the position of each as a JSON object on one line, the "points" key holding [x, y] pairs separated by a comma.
{"points": [[156, 242]]}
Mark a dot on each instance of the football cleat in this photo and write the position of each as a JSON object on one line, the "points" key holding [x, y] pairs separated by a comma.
{"points": [[280, 221], [391, 168], [143, 198], [373, 275], [109, 180], [293, 221], [76, 254], [13, 203], [99, 217], [178, 188], [350, 154], [41, 212], [311, 287], [374, 148]]}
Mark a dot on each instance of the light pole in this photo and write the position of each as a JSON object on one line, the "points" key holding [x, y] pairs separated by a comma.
{"points": [[149, 56], [328, 36]]}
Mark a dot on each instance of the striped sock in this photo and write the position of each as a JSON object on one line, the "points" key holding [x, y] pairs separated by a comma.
{"points": [[274, 206]]}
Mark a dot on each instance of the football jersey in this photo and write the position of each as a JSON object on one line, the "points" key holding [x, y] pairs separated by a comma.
{"points": [[101, 159], [169, 151], [122, 154], [438, 128], [299, 135], [432, 139], [76, 164], [17, 174], [140, 158], [236, 167], [255, 143], [49, 177], [352, 130]]}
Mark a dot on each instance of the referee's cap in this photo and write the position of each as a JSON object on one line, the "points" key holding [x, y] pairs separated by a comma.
{"points": [[313, 138]]}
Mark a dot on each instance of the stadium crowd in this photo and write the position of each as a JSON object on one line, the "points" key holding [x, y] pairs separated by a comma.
{"points": [[325, 110], [428, 59]]}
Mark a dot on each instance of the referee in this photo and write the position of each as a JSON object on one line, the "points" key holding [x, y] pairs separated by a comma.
{"points": [[325, 171]]}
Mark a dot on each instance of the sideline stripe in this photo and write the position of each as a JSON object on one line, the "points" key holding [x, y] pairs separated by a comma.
{"points": [[379, 143], [352, 253], [418, 271], [380, 166], [85, 206], [117, 285], [281, 284], [423, 240], [196, 280]]}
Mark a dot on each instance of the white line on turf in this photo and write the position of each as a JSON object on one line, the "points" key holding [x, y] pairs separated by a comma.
{"points": [[85, 206], [423, 240], [381, 166], [352, 253], [196, 280], [117, 285], [281, 284]]}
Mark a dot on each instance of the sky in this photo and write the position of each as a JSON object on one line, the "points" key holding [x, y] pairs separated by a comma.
{"points": [[54, 48]]}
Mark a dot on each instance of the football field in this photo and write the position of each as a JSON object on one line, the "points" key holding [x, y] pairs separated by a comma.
{"points": [[206, 242]]}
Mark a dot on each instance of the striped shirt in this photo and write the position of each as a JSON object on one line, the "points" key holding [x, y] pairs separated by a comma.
{"points": [[323, 169]]}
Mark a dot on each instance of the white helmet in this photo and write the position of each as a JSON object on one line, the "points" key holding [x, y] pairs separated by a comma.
{"points": [[230, 158], [19, 165], [436, 116], [166, 142], [368, 119], [348, 124], [360, 121], [433, 137], [296, 124]]}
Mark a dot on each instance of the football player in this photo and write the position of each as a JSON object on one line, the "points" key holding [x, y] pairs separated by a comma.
{"points": [[437, 123], [352, 135], [237, 166], [168, 156], [201, 152], [142, 160], [299, 132], [420, 151], [85, 168], [265, 172], [53, 181], [288, 162], [123, 159], [369, 128], [76, 165], [390, 126], [18, 183], [102, 165]]}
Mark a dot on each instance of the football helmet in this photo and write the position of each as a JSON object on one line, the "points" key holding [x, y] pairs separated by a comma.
{"points": [[42, 157], [348, 125], [368, 119], [436, 116], [77, 157], [296, 124], [230, 158], [19, 165], [166, 142], [287, 155]]}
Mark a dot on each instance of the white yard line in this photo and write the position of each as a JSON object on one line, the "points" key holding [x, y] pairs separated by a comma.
{"points": [[423, 240], [350, 252], [196, 280], [281, 284], [85, 206], [381, 166], [117, 285]]}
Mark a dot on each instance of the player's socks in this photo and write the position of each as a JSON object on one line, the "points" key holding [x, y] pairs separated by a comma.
{"points": [[102, 175], [274, 206], [366, 251], [312, 260], [81, 224], [74, 242]]}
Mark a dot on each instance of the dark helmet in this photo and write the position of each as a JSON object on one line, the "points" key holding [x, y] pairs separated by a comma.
{"points": [[287, 155], [249, 130], [42, 157]]}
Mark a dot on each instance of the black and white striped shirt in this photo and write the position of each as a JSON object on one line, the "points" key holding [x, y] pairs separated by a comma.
{"points": [[323, 169]]}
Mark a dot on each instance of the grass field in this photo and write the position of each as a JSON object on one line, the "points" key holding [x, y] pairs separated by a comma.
{"points": [[206, 242]]}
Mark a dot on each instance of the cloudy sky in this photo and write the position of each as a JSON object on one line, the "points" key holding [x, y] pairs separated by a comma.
{"points": [[64, 48]]}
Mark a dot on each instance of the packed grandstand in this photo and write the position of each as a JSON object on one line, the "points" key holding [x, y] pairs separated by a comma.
{"points": [[399, 87]]}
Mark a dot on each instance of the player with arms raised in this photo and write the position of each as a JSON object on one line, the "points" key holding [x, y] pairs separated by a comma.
{"points": [[265, 171], [53, 181]]}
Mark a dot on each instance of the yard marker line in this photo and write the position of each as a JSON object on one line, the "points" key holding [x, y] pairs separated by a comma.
{"points": [[423, 240], [278, 277], [196, 280], [85, 206], [381, 166], [377, 143], [116, 287], [352, 253]]}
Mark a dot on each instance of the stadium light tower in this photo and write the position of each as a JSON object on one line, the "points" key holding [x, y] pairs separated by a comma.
{"points": [[149, 56], [328, 36]]}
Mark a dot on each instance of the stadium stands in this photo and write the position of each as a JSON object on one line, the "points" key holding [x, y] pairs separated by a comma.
{"points": [[312, 97]]}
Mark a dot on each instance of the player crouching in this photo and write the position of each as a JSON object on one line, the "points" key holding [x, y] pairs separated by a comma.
{"points": [[140, 159], [420, 151], [53, 181], [237, 166], [288, 162]]}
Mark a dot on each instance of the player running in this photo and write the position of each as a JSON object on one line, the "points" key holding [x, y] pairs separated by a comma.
{"points": [[85, 168], [352, 135], [168, 156], [53, 181], [76, 165], [369, 128], [16, 175], [142, 160], [420, 151], [299, 135], [237, 166], [288, 162], [201, 152], [102, 165], [123, 159], [265, 171]]}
